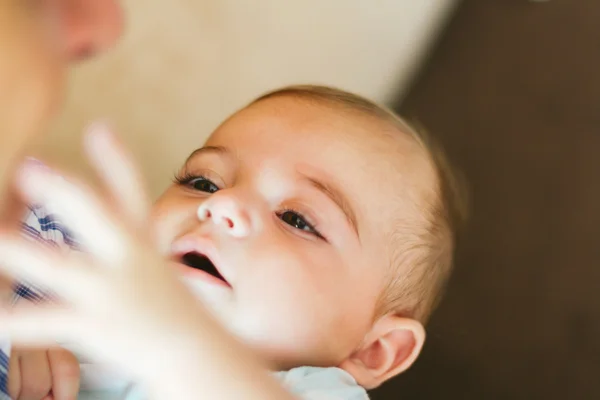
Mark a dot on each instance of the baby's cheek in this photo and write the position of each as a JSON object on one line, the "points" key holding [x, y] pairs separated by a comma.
{"points": [[161, 236], [165, 226], [282, 339], [287, 321]]}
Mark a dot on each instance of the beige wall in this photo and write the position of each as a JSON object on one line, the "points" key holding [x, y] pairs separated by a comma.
{"points": [[186, 64]]}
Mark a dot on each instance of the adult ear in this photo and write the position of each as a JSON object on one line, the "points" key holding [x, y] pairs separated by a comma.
{"points": [[390, 348]]}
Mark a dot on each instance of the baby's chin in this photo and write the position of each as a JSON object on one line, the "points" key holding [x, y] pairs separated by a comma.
{"points": [[250, 328], [218, 300]]}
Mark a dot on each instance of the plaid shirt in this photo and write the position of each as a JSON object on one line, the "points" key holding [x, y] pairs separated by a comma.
{"points": [[40, 226]]}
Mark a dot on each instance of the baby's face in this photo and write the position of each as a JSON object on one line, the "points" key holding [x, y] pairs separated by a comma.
{"points": [[292, 203]]}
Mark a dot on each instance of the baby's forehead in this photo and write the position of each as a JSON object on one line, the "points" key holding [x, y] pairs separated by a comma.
{"points": [[372, 158], [320, 122], [368, 139]]}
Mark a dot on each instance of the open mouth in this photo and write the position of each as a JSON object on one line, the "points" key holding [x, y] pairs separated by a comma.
{"points": [[201, 262]]}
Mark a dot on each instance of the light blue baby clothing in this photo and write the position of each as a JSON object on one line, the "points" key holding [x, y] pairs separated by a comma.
{"points": [[307, 383]]}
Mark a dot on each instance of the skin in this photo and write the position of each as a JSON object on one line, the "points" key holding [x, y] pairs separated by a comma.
{"points": [[39, 39], [296, 276], [123, 298], [372, 351]]}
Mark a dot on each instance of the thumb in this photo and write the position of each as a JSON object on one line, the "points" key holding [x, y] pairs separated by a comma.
{"points": [[64, 368]]}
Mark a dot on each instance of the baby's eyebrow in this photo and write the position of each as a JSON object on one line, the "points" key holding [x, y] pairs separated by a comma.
{"points": [[219, 150], [337, 197]]}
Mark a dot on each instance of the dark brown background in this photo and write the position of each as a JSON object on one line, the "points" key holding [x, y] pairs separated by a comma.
{"points": [[513, 90]]}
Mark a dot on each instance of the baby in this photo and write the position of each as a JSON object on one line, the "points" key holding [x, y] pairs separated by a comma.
{"points": [[319, 228]]}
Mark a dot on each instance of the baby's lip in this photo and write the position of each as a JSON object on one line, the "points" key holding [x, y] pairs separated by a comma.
{"points": [[203, 246]]}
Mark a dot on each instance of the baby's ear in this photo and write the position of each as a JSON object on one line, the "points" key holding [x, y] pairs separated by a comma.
{"points": [[390, 348]]}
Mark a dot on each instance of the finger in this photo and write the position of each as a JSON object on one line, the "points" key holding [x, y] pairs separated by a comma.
{"points": [[116, 168], [13, 210], [41, 326], [64, 367], [26, 261], [14, 375], [36, 379], [78, 208], [44, 268]]}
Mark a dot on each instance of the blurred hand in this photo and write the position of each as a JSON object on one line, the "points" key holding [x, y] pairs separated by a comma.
{"points": [[120, 299]]}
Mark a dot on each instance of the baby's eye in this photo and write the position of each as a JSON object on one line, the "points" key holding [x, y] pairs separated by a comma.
{"points": [[297, 221], [203, 185], [196, 182]]}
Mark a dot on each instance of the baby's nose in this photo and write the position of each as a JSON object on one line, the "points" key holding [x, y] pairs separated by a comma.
{"points": [[227, 214]]}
